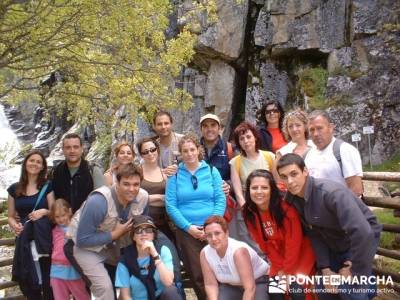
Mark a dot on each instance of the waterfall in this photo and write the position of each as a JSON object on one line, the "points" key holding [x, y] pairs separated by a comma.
{"points": [[9, 148]]}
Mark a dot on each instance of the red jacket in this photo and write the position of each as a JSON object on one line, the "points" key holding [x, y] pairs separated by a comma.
{"points": [[286, 248]]}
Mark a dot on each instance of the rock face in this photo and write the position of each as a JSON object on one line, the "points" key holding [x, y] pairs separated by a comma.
{"points": [[259, 49]]}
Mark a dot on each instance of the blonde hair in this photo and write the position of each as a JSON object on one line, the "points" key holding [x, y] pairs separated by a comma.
{"points": [[118, 147], [59, 205], [295, 114]]}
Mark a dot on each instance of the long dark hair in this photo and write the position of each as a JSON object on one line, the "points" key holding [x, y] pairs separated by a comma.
{"points": [[23, 179], [250, 210], [261, 113]]}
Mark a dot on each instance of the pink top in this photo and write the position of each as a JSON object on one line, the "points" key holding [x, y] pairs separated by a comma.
{"points": [[58, 256]]}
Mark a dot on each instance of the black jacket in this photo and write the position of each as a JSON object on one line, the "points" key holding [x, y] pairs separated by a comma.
{"points": [[266, 139], [73, 189], [23, 269]]}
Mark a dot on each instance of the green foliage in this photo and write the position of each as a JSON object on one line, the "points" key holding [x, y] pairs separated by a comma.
{"points": [[109, 54], [312, 83]]}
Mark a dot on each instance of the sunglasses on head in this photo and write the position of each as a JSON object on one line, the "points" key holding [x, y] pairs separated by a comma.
{"points": [[147, 151], [271, 111], [195, 182], [143, 230]]}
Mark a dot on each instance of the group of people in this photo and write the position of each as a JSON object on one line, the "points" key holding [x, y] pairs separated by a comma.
{"points": [[284, 198]]}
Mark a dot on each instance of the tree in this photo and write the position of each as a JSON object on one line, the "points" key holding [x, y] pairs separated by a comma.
{"points": [[108, 54]]}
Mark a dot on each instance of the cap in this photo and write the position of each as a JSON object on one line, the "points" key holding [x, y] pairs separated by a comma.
{"points": [[211, 117], [141, 220]]}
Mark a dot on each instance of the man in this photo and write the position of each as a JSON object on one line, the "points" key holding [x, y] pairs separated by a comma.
{"points": [[74, 178], [217, 152], [345, 167], [98, 228], [168, 140], [343, 231]]}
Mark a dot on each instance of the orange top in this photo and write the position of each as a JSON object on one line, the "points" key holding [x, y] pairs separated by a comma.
{"points": [[278, 141]]}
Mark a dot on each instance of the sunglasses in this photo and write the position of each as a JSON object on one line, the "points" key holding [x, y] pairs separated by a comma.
{"points": [[147, 151], [143, 230], [195, 182], [271, 111]]}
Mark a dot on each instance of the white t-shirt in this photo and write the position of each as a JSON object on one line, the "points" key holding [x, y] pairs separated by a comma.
{"points": [[225, 269], [323, 164], [289, 147]]}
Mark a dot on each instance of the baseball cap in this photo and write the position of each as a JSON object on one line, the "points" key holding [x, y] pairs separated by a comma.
{"points": [[141, 220], [210, 116]]}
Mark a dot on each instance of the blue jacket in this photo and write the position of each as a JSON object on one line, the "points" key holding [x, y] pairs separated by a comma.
{"points": [[219, 158], [188, 206]]}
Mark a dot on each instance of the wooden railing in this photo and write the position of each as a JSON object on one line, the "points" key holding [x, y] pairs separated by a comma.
{"points": [[381, 202]]}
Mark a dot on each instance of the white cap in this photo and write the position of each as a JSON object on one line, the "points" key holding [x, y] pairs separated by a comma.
{"points": [[211, 117]]}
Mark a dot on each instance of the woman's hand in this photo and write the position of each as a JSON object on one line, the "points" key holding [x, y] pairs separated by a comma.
{"points": [[148, 246], [197, 232], [17, 227], [37, 214]]}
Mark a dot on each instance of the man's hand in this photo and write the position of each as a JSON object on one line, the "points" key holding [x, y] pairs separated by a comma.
{"points": [[345, 271], [170, 170], [226, 188], [197, 232], [121, 229], [330, 288]]}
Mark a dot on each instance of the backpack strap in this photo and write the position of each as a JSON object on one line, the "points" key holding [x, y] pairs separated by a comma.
{"points": [[229, 150], [41, 195], [268, 159], [336, 152], [237, 164]]}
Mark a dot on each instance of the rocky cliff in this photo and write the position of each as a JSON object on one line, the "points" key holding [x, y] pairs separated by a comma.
{"points": [[340, 55]]}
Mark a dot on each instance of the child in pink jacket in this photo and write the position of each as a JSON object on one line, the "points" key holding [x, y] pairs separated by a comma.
{"points": [[64, 279]]}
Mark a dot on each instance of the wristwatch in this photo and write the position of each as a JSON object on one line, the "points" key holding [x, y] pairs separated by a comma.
{"points": [[157, 257]]}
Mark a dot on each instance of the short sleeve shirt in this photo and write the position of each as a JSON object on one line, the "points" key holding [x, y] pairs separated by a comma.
{"points": [[323, 163], [24, 204], [137, 289]]}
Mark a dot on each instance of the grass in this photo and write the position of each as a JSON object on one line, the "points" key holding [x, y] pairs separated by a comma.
{"points": [[391, 165], [385, 216]]}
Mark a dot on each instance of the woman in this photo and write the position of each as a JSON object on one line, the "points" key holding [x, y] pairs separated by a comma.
{"points": [[231, 269], [143, 272], [30, 199], [193, 194], [296, 132], [123, 154], [272, 114], [154, 182], [276, 228]]}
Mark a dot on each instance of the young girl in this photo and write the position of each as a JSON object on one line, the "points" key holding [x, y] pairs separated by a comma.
{"points": [[64, 279]]}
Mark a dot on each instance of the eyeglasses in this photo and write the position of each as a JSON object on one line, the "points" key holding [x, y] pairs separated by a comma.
{"points": [[195, 182], [147, 151], [271, 111], [143, 230]]}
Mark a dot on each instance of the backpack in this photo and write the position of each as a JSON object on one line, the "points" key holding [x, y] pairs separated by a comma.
{"points": [[336, 152], [267, 157]]}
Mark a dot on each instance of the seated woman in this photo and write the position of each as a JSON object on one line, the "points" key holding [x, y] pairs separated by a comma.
{"points": [[123, 154], [231, 269], [143, 272], [276, 227], [295, 130]]}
